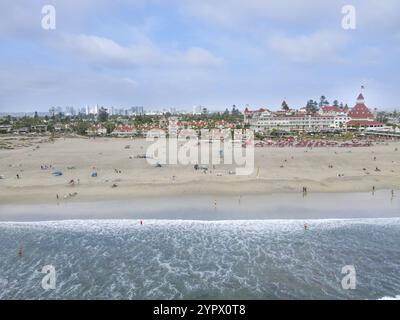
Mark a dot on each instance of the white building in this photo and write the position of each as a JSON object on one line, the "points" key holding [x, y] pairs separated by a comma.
{"points": [[298, 121], [92, 110], [199, 110], [5, 128]]}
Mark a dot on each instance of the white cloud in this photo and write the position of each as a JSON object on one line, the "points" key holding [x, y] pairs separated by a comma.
{"points": [[378, 15], [382, 16], [197, 57], [100, 51], [231, 12], [318, 47], [371, 55], [137, 60], [26, 87]]}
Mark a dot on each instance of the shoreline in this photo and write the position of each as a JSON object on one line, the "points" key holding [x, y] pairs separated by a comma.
{"points": [[251, 187], [274, 206]]}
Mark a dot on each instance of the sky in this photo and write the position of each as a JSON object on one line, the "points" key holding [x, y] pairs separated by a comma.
{"points": [[181, 53]]}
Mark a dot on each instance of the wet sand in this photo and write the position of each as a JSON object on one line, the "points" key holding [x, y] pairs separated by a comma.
{"points": [[210, 208]]}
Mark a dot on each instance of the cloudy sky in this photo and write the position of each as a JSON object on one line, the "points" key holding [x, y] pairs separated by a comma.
{"points": [[181, 53]]}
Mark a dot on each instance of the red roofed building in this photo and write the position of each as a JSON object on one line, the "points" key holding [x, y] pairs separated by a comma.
{"points": [[361, 116], [251, 115], [333, 110]]}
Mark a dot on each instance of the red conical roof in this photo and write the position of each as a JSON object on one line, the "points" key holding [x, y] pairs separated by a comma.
{"points": [[360, 111]]}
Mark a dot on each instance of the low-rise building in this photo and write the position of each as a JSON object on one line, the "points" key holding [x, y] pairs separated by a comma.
{"points": [[125, 130], [97, 130], [60, 127], [24, 130], [5, 128], [294, 122], [40, 128]]}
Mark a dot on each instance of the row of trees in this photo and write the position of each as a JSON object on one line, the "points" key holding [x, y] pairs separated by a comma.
{"points": [[314, 106]]}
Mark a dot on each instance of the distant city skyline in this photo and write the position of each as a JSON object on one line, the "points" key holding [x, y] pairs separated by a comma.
{"points": [[196, 109], [186, 53]]}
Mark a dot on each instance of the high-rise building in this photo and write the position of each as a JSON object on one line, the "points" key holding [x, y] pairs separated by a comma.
{"points": [[137, 110], [69, 111], [197, 110]]}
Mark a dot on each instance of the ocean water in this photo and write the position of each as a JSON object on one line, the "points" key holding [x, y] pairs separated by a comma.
{"points": [[185, 259]]}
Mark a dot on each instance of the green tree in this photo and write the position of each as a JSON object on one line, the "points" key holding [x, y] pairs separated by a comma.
{"points": [[103, 115], [110, 126], [285, 106], [323, 101], [312, 107], [81, 127]]}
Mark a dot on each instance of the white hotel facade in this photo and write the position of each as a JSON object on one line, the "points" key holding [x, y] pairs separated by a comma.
{"points": [[297, 121], [328, 118]]}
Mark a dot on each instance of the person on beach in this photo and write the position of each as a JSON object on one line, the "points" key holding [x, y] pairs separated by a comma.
{"points": [[17, 176], [20, 251]]}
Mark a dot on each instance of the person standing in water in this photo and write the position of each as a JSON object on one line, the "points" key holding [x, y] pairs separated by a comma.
{"points": [[20, 251]]}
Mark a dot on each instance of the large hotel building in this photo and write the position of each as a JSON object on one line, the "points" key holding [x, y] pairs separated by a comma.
{"points": [[328, 118]]}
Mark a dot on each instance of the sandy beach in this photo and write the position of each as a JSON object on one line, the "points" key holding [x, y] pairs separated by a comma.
{"points": [[277, 170]]}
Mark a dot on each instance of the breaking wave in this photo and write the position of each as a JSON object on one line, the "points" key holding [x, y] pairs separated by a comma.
{"points": [[177, 259]]}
